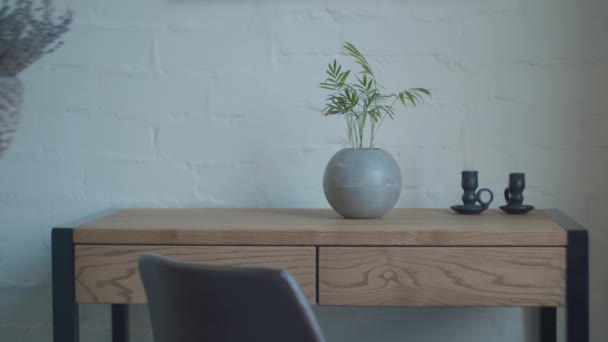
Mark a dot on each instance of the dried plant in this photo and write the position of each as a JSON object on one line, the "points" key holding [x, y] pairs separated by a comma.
{"points": [[28, 31]]}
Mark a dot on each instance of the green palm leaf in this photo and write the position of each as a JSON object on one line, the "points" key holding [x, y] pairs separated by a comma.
{"points": [[363, 102]]}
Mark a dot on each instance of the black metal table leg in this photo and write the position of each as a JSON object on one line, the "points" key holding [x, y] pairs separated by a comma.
{"points": [[548, 324], [577, 287], [120, 323], [65, 310], [577, 278]]}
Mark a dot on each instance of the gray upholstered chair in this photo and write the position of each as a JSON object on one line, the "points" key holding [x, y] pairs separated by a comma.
{"points": [[200, 303]]}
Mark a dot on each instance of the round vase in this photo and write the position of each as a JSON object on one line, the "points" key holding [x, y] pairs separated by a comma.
{"points": [[11, 95], [362, 183]]}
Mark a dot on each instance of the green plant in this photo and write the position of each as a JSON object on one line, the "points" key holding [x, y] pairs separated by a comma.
{"points": [[363, 101], [28, 31]]}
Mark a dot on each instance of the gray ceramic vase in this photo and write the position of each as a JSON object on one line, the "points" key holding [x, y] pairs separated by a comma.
{"points": [[363, 183]]}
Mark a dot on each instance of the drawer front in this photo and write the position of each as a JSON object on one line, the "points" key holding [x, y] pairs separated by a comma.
{"points": [[109, 274], [453, 276]]}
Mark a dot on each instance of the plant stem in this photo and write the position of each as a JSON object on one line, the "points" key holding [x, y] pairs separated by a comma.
{"points": [[372, 134], [362, 129]]}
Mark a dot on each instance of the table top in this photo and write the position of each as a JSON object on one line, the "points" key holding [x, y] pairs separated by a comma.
{"points": [[320, 227]]}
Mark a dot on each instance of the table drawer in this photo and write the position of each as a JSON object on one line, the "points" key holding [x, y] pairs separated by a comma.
{"points": [[454, 276], [109, 274]]}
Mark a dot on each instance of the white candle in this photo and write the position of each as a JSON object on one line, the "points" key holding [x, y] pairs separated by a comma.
{"points": [[467, 157]]}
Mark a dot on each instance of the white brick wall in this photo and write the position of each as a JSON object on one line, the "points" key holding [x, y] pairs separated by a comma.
{"points": [[174, 103]]}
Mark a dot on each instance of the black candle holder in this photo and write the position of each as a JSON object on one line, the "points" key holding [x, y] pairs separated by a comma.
{"points": [[514, 195], [470, 197]]}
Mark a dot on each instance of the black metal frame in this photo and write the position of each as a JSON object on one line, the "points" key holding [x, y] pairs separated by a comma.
{"points": [[65, 308], [66, 327], [120, 323], [548, 324], [577, 284]]}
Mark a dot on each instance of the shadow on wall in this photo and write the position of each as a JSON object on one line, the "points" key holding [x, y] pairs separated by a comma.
{"points": [[26, 312], [342, 324], [427, 324]]}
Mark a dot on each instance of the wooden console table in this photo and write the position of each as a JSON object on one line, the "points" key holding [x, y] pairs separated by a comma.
{"points": [[411, 257]]}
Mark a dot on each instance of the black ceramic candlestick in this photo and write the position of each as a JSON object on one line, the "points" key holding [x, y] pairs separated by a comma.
{"points": [[514, 195], [469, 185], [470, 198]]}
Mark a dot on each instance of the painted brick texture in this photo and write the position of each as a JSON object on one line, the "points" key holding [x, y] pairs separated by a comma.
{"points": [[159, 103]]}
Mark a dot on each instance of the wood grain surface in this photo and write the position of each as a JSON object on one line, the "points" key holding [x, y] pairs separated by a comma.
{"points": [[320, 227], [109, 274], [453, 276]]}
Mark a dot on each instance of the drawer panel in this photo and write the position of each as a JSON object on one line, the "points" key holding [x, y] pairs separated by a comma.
{"points": [[453, 276], [109, 274]]}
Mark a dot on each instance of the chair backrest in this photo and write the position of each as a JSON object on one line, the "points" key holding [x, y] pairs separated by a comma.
{"points": [[200, 303]]}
